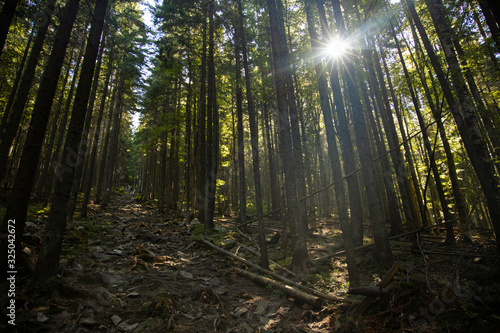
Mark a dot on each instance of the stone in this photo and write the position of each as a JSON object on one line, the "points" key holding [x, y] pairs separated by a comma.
{"points": [[214, 282], [112, 280], [186, 275], [240, 311], [125, 326], [261, 308], [88, 321], [41, 317], [116, 252], [104, 257], [89, 278], [116, 319]]}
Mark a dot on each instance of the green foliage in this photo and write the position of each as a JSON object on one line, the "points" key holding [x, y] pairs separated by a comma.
{"points": [[198, 232]]}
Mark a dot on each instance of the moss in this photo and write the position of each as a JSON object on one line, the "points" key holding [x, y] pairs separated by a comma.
{"points": [[198, 231]]}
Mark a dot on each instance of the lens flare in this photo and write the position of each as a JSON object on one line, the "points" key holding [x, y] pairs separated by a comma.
{"points": [[336, 48]]}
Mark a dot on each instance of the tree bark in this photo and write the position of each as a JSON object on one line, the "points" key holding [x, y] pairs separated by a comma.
{"points": [[17, 80], [239, 127], [254, 136], [6, 16], [491, 13], [281, 62], [353, 186], [87, 186], [464, 113], [347, 232], [377, 216], [21, 95], [48, 259], [298, 295], [85, 144], [18, 204], [110, 160], [212, 126]]}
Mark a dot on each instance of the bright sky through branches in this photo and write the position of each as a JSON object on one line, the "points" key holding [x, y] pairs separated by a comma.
{"points": [[148, 21]]}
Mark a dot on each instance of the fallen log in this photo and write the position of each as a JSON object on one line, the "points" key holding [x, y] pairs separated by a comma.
{"points": [[382, 284], [277, 276], [289, 290]]}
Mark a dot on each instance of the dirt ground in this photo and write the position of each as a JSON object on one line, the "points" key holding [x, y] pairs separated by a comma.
{"points": [[128, 269]]}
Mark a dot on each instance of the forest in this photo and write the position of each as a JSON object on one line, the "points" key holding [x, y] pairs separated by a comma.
{"points": [[250, 166]]}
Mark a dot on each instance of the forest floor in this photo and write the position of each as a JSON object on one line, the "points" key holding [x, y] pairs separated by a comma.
{"points": [[129, 269]]}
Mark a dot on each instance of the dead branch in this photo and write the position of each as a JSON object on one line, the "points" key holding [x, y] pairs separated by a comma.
{"points": [[361, 247], [289, 290], [271, 261], [342, 252], [277, 276], [425, 262], [382, 284], [489, 274], [488, 301], [456, 279]]}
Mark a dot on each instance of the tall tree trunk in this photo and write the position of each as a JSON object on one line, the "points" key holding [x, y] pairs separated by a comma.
{"points": [[295, 131], [163, 160], [45, 173], [21, 95], [463, 114], [344, 133], [87, 186], [61, 132], [460, 203], [273, 179], [377, 216], [212, 125], [281, 62], [492, 132], [187, 137], [335, 163], [17, 80], [254, 136], [18, 204], [110, 161], [395, 151], [491, 13], [85, 144], [450, 236], [48, 259], [376, 88], [107, 139], [202, 140], [239, 126], [401, 173], [6, 16]]}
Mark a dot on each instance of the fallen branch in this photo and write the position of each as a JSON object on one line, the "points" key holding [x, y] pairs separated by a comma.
{"points": [[289, 290], [361, 247], [277, 276], [271, 261], [489, 301], [382, 284], [342, 252], [443, 253]]}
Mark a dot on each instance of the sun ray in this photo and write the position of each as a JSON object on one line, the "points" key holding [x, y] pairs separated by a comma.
{"points": [[336, 48]]}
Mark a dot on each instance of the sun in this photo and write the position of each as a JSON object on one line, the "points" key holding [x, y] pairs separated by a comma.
{"points": [[336, 48]]}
